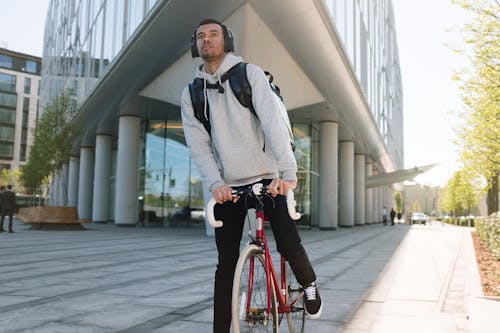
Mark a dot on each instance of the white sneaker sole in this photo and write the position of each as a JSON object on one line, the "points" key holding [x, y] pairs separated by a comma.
{"points": [[316, 315]]}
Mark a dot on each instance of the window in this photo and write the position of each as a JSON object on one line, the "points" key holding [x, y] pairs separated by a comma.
{"points": [[7, 133], [7, 116], [5, 61], [6, 150], [8, 100], [27, 85], [30, 66], [22, 153], [26, 104], [7, 82]]}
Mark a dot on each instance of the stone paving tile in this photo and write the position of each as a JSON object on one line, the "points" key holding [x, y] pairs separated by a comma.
{"points": [[110, 279], [65, 328], [117, 317], [7, 300]]}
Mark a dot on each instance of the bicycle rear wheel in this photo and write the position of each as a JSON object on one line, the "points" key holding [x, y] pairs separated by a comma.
{"points": [[296, 317], [249, 302]]}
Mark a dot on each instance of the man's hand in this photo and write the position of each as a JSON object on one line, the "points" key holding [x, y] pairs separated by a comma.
{"points": [[280, 186], [223, 193]]}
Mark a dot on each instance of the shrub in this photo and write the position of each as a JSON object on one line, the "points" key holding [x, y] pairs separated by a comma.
{"points": [[488, 229]]}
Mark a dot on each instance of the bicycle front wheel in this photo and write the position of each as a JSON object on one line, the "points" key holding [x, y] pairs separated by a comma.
{"points": [[249, 303]]}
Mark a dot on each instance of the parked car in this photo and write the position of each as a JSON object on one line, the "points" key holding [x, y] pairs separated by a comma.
{"points": [[419, 218]]}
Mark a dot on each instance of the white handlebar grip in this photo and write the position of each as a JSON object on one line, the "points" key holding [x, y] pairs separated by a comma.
{"points": [[210, 214], [290, 203]]}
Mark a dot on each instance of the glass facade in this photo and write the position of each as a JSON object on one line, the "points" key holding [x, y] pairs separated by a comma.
{"points": [[24, 129], [7, 82], [170, 185], [302, 140], [5, 61], [82, 38], [367, 31], [31, 66], [27, 85]]}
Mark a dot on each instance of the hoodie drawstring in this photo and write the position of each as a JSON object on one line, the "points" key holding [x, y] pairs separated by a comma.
{"points": [[205, 96]]}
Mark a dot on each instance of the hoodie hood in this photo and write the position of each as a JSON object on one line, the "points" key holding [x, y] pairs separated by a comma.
{"points": [[229, 61]]}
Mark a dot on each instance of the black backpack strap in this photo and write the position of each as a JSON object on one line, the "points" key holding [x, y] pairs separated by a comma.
{"points": [[238, 80], [198, 102]]}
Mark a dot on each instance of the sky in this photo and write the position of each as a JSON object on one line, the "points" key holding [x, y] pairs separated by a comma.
{"points": [[426, 29]]}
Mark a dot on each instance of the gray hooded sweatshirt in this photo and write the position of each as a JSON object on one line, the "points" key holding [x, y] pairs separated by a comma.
{"points": [[241, 149]]}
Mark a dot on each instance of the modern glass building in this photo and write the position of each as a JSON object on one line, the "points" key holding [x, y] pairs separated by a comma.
{"points": [[19, 87], [126, 62]]}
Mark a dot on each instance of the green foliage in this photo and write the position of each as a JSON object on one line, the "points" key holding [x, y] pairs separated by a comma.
{"points": [[479, 138], [398, 201], [460, 194], [53, 137], [488, 230], [415, 207], [10, 177]]}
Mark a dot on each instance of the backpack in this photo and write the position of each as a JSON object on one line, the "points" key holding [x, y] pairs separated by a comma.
{"points": [[242, 90]]}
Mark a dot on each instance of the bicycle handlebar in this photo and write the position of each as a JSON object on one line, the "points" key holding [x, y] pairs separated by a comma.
{"points": [[257, 190]]}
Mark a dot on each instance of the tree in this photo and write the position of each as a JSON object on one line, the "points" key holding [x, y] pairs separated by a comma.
{"points": [[415, 207], [480, 136], [460, 194], [398, 202], [8, 176], [53, 137]]}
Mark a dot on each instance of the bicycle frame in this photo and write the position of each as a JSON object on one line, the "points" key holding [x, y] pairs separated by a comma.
{"points": [[281, 286], [271, 275]]}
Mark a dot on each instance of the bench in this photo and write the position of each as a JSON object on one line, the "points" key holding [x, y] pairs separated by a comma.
{"points": [[51, 218]]}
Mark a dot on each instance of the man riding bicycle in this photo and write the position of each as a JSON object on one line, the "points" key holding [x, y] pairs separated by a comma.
{"points": [[238, 149]]}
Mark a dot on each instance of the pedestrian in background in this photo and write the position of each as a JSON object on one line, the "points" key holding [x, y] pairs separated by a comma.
{"points": [[393, 215], [8, 200], [2, 189]]}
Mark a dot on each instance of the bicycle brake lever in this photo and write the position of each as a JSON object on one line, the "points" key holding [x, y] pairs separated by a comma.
{"points": [[290, 202], [257, 188]]}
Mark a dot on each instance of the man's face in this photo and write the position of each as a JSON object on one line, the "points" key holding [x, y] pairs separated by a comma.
{"points": [[210, 41]]}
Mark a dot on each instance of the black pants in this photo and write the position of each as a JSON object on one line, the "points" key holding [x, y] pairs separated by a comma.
{"points": [[10, 215], [228, 239]]}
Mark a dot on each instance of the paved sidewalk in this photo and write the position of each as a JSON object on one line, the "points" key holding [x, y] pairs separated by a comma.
{"points": [[431, 285], [112, 279]]}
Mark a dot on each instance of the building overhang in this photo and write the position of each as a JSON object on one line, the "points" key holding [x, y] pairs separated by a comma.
{"points": [[297, 42], [399, 176]]}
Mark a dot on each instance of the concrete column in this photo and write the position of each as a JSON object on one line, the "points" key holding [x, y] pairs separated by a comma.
{"points": [[100, 205], [54, 183], [387, 199], [85, 183], [127, 170], [74, 165], [64, 184], [379, 201], [346, 184], [328, 170], [359, 189], [369, 196]]}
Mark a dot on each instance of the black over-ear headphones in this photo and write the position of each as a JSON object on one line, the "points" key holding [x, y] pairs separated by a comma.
{"points": [[228, 38]]}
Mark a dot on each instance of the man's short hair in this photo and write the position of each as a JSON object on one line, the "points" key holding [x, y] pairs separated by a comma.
{"points": [[213, 21]]}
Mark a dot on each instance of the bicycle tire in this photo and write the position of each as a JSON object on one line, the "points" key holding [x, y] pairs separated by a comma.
{"points": [[259, 320], [297, 316]]}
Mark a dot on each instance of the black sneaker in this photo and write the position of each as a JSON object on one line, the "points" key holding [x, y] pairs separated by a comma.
{"points": [[312, 301]]}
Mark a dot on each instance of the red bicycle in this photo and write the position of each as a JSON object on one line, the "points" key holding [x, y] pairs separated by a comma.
{"points": [[260, 300]]}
